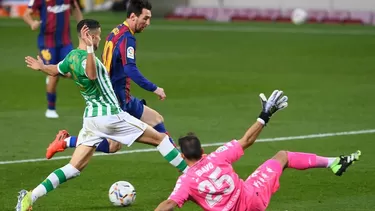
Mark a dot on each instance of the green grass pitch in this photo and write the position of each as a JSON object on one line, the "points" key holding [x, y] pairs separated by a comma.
{"points": [[212, 74]]}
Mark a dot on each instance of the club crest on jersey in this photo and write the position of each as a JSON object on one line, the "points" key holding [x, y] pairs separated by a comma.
{"points": [[84, 64], [130, 52], [58, 8], [46, 55]]}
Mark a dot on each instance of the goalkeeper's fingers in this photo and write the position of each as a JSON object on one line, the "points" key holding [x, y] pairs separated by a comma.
{"points": [[262, 98], [282, 106], [282, 100], [273, 96]]}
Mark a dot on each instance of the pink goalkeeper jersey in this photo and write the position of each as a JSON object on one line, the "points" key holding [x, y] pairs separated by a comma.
{"points": [[212, 183]]}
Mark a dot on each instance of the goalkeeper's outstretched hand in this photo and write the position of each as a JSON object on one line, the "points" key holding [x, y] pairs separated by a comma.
{"points": [[277, 101]]}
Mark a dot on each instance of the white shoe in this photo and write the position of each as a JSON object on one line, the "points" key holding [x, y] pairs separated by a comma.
{"points": [[51, 114]]}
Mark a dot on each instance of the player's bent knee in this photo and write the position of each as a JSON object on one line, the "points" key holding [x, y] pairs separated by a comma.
{"points": [[159, 118], [282, 157], [151, 117], [151, 137], [114, 146]]}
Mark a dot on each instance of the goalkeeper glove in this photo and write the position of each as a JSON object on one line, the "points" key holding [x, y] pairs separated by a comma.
{"points": [[271, 105]]}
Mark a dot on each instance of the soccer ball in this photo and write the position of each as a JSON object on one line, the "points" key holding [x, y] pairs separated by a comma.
{"points": [[122, 193], [299, 16]]}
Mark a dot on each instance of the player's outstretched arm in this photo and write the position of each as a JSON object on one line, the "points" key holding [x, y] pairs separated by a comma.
{"points": [[167, 205], [37, 64], [132, 71], [251, 135], [270, 106]]}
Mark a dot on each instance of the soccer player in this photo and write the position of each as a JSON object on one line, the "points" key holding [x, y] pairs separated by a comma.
{"points": [[103, 117], [119, 57], [212, 183], [54, 40]]}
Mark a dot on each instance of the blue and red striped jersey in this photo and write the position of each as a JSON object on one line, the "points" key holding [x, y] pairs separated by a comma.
{"points": [[55, 17], [119, 57]]}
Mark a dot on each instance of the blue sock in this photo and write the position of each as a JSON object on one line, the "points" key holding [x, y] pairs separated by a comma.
{"points": [[161, 129], [72, 142], [103, 146], [51, 98]]}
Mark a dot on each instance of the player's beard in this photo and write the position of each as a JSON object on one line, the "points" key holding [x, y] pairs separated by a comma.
{"points": [[139, 29], [95, 47]]}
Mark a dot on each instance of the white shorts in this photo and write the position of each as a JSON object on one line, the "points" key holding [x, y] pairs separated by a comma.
{"points": [[121, 127]]}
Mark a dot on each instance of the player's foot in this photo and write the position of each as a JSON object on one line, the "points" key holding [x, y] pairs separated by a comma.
{"points": [[51, 114], [343, 162], [24, 202], [58, 145]]}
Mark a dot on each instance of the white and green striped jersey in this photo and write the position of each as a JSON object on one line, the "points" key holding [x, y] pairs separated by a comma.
{"points": [[98, 94]]}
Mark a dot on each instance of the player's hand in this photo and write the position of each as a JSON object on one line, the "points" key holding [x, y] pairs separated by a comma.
{"points": [[35, 25], [35, 64], [86, 37], [277, 101], [160, 92]]}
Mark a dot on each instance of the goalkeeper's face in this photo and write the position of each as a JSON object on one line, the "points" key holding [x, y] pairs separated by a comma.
{"points": [[143, 20]]}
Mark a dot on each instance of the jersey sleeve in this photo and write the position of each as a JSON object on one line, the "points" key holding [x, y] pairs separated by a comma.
{"points": [[35, 4], [229, 152], [127, 51], [63, 67], [180, 193]]}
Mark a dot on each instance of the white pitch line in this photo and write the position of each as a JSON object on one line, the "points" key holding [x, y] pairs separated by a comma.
{"points": [[321, 135], [237, 28]]}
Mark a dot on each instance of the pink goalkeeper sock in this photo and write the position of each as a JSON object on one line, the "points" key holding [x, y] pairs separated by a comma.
{"points": [[301, 161]]}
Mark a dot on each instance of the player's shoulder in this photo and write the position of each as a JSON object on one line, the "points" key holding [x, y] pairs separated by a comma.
{"points": [[227, 145], [128, 35], [184, 178], [78, 52], [122, 30], [231, 145], [76, 55]]}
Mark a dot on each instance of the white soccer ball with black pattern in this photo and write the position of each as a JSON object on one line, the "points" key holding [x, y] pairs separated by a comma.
{"points": [[122, 193]]}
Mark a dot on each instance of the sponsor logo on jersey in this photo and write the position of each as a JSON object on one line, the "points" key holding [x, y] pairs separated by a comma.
{"points": [[58, 8]]}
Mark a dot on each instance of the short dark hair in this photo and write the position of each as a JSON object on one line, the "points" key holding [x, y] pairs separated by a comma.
{"points": [[136, 7], [91, 23], [190, 146]]}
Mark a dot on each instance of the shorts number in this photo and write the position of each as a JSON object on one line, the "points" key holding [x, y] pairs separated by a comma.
{"points": [[215, 183], [107, 54]]}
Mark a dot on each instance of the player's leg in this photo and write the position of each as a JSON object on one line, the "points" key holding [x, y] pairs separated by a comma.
{"points": [[106, 146], [129, 129], [265, 180], [80, 159], [50, 56], [302, 161], [138, 109], [165, 147], [51, 82], [134, 107], [63, 141]]}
